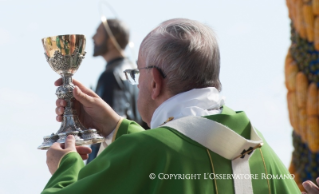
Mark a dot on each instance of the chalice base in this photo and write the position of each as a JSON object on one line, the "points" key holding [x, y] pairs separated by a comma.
{"points": [[48, 141], [86, 137], [72, 126]]}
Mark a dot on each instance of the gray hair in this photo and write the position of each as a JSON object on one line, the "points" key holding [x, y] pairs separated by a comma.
{"points": [[186, 51]]}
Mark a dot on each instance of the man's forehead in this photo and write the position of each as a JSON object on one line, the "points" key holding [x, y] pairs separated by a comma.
{"points": [[101, 26]]}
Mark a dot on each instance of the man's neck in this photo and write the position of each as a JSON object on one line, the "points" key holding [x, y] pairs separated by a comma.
{"points": [[109, 56]]}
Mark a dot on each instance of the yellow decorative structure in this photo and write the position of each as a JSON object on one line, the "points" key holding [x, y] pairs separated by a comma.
{"points": [[302, 81]]}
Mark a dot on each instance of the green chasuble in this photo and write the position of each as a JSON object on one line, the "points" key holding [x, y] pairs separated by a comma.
{"points": [[162, 160]]}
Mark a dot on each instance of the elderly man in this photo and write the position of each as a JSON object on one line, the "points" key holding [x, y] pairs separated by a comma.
{"points": [[196, 144]]}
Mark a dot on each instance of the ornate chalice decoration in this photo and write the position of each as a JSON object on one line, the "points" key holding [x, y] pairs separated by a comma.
{"points": [[64, 53]]}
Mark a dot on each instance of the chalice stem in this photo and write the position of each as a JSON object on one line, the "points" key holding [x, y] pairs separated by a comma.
{"points": [[70, 121], [67, 83]]}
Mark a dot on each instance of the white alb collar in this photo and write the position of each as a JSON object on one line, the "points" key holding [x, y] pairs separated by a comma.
{"points": [[196, 102]]}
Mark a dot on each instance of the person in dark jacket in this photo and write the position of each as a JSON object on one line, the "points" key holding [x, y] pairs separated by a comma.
{"points": [[110, 40]]}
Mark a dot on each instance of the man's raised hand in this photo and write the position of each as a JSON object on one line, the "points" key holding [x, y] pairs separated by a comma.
{"points": [[92, 111]]}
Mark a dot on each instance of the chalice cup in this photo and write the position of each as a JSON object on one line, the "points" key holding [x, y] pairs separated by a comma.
{"points": [[64, 53]]}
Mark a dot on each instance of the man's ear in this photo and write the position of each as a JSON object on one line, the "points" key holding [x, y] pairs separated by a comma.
{"points": [[157, 83]]}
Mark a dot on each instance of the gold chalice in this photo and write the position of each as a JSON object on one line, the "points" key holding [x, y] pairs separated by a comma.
{"points": [[64, 53]]}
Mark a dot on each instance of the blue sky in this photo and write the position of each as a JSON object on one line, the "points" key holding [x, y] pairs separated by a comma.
{"points": [[253, 37]]}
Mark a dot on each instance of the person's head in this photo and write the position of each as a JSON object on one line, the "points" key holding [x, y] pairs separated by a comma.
{"points": [[186, 52], [102, 41]]}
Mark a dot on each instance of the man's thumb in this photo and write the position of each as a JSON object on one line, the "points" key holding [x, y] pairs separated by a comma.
{"points": [[70, 142], [83, 98]]}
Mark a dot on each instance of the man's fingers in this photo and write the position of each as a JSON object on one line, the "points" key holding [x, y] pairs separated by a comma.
{"points": [[60, 102], [70, 142], [82, 97], [56, 146], [83, 150], [58, 82], [310, 187], [84, 89], [84, 156], [59, 110], [59, 118]]}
